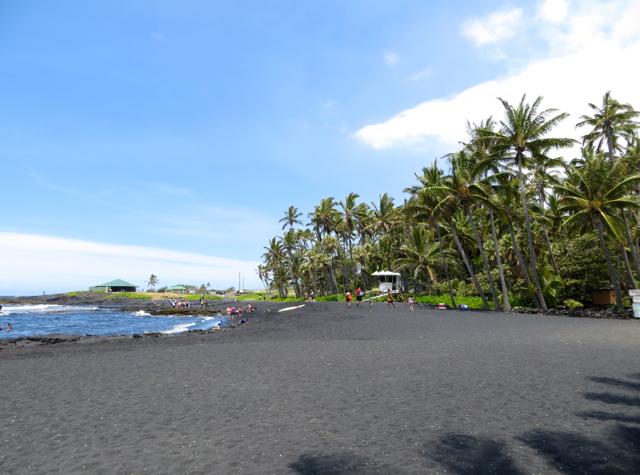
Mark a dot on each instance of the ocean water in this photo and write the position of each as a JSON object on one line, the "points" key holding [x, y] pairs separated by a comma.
{"points": [[29, 320]]}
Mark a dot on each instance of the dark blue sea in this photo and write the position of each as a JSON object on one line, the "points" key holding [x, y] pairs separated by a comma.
{"points": [[31, 320]]}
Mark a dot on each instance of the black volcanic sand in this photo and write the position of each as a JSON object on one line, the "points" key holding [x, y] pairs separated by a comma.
{"points": [[330, 390]]}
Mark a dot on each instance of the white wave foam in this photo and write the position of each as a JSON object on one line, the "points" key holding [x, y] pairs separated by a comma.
{"points": [[141, 313], [179, 328], [43, 308]]}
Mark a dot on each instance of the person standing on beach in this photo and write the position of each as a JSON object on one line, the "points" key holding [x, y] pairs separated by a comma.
{"points": [[410, 302], [312, 297], [358, 297], [390, 299], [348, 298]]}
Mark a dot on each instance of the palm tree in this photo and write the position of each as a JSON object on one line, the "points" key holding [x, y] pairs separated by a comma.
{"points": [[153, 280], [523, 133], [425, 202], [597, 192], [487, 161], [609, 123], [420, 256], [542, 177], [349, 225], [291, 217], [384, 215], [465, 187]]}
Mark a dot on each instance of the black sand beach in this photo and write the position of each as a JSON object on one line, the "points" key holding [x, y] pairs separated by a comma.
{"points": [[330, 390]]}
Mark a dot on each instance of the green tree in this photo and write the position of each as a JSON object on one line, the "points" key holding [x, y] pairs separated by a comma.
{"points": [[523, 134], [596, 192]]}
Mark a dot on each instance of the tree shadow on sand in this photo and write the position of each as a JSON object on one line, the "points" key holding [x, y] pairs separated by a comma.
{"points": [[339, 464], [616, 450], [471, 455]]}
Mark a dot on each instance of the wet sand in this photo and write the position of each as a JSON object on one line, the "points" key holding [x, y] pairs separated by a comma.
{"points": [[331, 390]]}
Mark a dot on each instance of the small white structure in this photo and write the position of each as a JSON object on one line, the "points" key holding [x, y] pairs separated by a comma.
{"points": [[387, 281]]}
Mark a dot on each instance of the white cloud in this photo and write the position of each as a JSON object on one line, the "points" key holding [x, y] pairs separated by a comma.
{"points": [[493, 28], [157, 36], [553, 10], [568, 79], [390, 59], [421, 75], [32, 262]]}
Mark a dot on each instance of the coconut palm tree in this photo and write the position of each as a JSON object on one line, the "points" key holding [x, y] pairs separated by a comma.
{"points": [[609, 123], [523, 134], [465, 187], [420, 256], [384, 215], [153, 280], [596, 192], [423, 205], [291, 217], [487, 162], [350, 225]]}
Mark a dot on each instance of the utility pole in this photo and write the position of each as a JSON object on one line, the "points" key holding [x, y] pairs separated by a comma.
{"points": [[238, 281]]}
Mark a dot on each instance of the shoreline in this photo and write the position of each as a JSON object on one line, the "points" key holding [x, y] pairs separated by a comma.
{"points": [[126, 305]]}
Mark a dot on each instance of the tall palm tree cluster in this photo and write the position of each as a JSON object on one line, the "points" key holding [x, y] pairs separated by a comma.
{"points": [[505, 219]]}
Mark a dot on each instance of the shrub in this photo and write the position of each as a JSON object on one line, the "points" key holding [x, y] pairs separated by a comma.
{"points": [[573, 304]]}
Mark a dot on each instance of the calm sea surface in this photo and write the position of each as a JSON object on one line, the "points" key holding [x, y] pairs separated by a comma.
{"points": [[31, 320]]}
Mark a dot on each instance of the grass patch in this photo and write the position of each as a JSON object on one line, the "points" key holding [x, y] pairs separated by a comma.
{"points": [[471, 302], [129, 295], [252, 296]]}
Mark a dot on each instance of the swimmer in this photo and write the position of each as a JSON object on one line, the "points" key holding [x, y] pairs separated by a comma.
{"points": [[9, 327]]}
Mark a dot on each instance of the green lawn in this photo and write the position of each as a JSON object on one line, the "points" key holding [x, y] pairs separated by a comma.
{"points": [[129, 295]]}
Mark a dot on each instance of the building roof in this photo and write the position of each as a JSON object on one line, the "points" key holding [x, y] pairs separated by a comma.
{"points": [[116, 283], [177, 287], [385, 273]]}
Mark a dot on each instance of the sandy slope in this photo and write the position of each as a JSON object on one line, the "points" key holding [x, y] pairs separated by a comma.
{"points": [[330, 390]]}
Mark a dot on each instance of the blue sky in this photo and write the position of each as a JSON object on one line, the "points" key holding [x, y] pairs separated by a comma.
{"points": [[143, 137]]}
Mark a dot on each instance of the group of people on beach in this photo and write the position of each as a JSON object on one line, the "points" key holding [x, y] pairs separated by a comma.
{"points": [[360, 295], [176, 303]]}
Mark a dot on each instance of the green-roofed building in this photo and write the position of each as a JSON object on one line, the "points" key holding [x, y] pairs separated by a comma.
{"points": [[176, 289], [117, 285]]}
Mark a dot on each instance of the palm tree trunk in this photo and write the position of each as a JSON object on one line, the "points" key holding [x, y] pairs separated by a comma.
{"points": [[631, 282], [496, 302], [503, 283], [353, 269], [546, 235], [632, 247], [532, 253], [520, 259], [446, 266], [468, 265], [607, 257]]}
